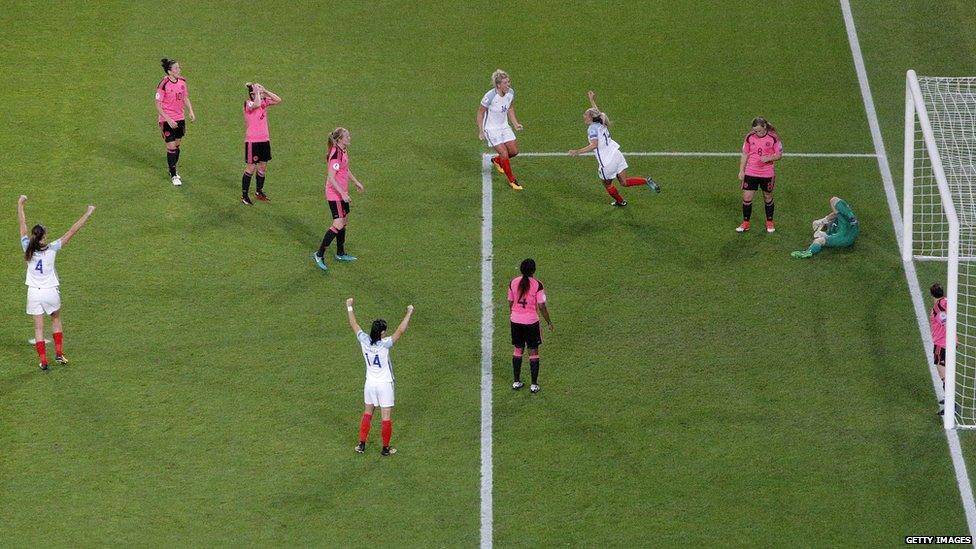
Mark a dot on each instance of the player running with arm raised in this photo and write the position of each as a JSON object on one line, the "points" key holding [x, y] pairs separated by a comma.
{"points": [[610, 161], [257, 139], [43, 286], [839, 229], [379, 387]]}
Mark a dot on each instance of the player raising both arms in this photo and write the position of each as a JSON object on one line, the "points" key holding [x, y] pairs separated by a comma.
{"points": [[378, 389], [525, 295], [494, 114], [337, 194], [610, 161], [257, 139], [43, 293], [171, 96], [839, 229], [760, 149]]}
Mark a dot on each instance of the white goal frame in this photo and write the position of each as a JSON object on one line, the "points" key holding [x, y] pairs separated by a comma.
{"points": [[915, 110]]}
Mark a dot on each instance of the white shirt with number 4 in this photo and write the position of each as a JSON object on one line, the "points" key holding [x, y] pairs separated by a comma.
{"points": [[40, 267], [377, 357]]}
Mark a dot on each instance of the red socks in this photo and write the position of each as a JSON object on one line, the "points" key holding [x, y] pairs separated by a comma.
{"points": [[387, 431], [507, 166], [612, 191], [634, 181], [364, 427], [41, 350], [59, 343]]}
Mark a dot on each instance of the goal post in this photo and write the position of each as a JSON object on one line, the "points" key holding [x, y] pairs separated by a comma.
{"points": [[939, 205]]}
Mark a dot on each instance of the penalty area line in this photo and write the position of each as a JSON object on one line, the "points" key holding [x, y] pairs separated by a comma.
{"points": [[706, 154], [487, 329]]}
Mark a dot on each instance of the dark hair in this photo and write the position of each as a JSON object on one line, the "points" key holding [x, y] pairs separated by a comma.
{"points": [[760, 121], [528, 269], [34, 245], [167, 64], [937, 291], [376, 331], [250, 90]]}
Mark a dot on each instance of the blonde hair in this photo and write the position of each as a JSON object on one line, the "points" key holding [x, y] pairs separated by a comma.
{"points": [[498, 76], [336, 135], [598, 116]]}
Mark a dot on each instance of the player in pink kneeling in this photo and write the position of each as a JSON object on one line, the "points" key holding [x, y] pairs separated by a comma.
{"points": [[760, 149], [526, 298], [257, 140]]}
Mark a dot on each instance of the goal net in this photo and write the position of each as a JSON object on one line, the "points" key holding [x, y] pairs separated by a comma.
{"points": [[940, 217]]}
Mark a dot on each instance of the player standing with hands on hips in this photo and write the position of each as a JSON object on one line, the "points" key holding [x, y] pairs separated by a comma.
{"points": [[494, 114], [43, 292], [378, 389], [171, 96], [761, 148]]}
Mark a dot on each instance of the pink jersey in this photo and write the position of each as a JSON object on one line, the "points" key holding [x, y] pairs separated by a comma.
{"points": [[524, 306], [756, 147], [937, 319], [256, 122], [170, 95], [338, 161]]}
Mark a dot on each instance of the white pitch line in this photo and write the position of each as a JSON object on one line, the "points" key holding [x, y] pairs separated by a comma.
{"points": [[487, 329], [694, 154], [952, 436]]}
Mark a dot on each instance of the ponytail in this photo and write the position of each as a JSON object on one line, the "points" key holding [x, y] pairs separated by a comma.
{"points": [[335, 136], [34, 244], [528, 269], [376, 331], [167, 64], [598, 116]]}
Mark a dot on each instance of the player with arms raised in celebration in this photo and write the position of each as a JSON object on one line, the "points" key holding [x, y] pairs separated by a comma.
{"points": [[43, 293], [525, 296], [839, 229], [494, 114], [378, 390], [171, 96], [337, 194], [760, 149], [610, 161], [257, 139]]}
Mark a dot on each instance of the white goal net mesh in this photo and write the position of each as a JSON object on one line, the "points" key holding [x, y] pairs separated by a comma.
{"points": [[951, 107]]}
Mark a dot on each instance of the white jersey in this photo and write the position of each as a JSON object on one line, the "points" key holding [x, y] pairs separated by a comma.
{"points": [[378, 365], [40, 268], [605, 145], [496, 116]]}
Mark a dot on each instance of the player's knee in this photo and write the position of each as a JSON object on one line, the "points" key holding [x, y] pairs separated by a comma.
{"points": [[534, 354], [821, 240], [517, 353]]}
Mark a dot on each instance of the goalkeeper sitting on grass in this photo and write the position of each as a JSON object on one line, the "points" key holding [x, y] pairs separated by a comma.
{"points": [[838, 230]]}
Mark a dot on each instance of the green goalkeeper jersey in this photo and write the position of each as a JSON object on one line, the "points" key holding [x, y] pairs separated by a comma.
{"points": [[845, 224]]}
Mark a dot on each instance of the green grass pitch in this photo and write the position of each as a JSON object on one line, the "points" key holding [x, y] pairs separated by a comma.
{"points": [[701, 388]]}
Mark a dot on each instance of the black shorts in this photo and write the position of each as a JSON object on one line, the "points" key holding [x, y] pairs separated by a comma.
{"points": [[526, 335], [938, 355], [752, 183], [172, 134], [340, 208], [257, 152]]}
